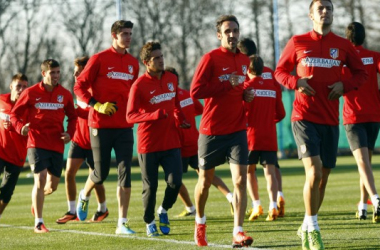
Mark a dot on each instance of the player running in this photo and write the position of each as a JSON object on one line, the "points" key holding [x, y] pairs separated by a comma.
{"points": [[361, 119], [11, 164], [109, 74], [46, 104], [219, 80], [79, 152], [263, 113], [318, 56], [189, 149]]}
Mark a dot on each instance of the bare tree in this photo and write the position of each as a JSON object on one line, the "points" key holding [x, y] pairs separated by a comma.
{"points": [[181, 26], [84, 23]]}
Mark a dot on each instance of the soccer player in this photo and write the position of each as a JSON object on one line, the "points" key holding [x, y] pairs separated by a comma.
{"points": [[318, 56], [109, 74], [219, 80], [80, 151], [361, 119], [154, 104], [12, 144], [189, 148], [262, 114], [247, 46], [46, 104]]}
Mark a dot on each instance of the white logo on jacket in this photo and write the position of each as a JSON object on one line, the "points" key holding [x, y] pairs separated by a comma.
{"points": [[186, 102], [162, 98], [320, 62], [367, 60], [266, 75], [120, 76], [49, 106]]}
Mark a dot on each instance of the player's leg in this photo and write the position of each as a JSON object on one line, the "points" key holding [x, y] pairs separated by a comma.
{"points": [[280, 194], [123, 147], [183, 192], [238, 158], [100, 192], [8, 184], [149, 164], [54, 172], [253, 187], [272, 189], [362, 137], [101, 145], [173, 178]]}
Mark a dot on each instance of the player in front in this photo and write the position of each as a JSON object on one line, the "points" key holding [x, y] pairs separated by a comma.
{"points": [[46, 105], [219, 80], [318, 56]]}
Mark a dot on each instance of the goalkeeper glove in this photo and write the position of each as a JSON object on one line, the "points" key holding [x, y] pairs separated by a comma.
{"points": [[108, 108]]}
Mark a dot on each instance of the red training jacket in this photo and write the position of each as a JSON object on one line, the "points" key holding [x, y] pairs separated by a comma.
{"points": [[323, 58], [223, 112], [150, 101], [46, 112], [189, 137], [12, 145], [363, 104], [263, 112], [109, 75]]}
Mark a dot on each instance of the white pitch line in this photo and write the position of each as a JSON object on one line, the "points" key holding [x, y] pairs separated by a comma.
{"points": [[127, 236]]}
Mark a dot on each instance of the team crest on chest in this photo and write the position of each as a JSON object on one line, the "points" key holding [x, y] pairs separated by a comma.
{"points": [[244, 69], [130, 69], [171, 86], [60, 98], [334, 53]]}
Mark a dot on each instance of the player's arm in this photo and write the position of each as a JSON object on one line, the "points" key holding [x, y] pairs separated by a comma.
{"points": [[198, 107], [357, 69], [201, 87], [178, 114], [18, 112], [71, 119], [286, 65], [135, 113], [280, 110]]}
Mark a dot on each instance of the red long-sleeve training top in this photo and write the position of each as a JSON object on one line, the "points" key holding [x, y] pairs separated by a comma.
{"points": [[223, 111], [46, 112], [323, 58]]}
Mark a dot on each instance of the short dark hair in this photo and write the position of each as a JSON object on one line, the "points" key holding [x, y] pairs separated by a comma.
{"points": [[247, 46], [172, 70], [147, 49], [355, 33], [256, 65], [314, 1], [223, 19], [19, 77], [81, 61], [49, 64], [119, 25]]}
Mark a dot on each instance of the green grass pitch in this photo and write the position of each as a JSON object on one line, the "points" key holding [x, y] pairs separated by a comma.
{"points": [[339, 228]]}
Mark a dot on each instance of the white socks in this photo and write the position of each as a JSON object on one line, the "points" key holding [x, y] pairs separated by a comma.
{"points": [[121, 221], [200, 220], [190, 209], [375, 201], [237, 230], [72, 207], [161, 210], [312, 223], [102, 207], [229, 197]]}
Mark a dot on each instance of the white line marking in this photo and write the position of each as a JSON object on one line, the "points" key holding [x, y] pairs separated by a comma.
{"points": [[127, 236]]}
